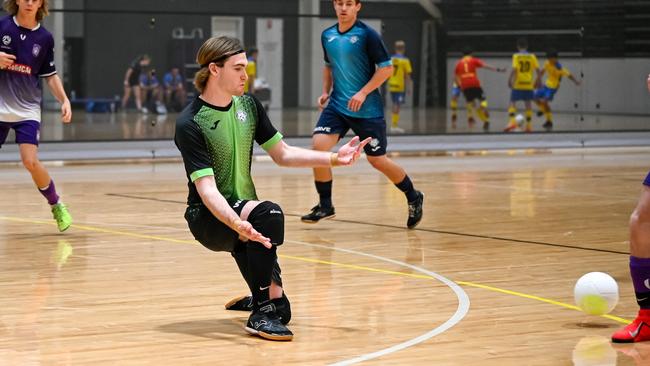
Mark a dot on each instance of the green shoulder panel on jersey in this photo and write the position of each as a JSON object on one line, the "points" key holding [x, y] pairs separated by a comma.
{"points": [[229, 137]]}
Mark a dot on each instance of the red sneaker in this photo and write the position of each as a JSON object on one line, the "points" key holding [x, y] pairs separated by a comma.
{"points": [[637, 331], [511, 127]]}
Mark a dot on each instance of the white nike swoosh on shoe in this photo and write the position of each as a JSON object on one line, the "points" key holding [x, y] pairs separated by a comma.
{"points": [[636, 332], [264, 288], [645, 298]]}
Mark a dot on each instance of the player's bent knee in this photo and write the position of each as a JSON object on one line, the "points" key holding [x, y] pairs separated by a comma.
{"points": [[378, 162], [267, 218], [30, 164]]}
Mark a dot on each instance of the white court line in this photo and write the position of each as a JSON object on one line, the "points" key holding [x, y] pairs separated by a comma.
{"points": [[461, 311]]}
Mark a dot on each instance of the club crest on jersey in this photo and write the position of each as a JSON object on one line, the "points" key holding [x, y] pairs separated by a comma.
{"points": [[241, 116], [36, 50], [354, 39], [6, 40]]}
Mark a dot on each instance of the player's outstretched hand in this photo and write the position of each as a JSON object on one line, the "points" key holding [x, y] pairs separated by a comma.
{"points": [[245, 229], [356, 101], [6, 60], [66, 112], [648, 82], [351, 151]]}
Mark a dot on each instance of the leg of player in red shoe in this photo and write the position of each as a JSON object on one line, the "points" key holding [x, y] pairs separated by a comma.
{"points": [[639, 329]]}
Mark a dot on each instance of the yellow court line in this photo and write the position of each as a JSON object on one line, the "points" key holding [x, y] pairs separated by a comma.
{"points": [[310, 260]]}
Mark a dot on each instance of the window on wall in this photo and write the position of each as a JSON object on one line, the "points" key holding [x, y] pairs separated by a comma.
{"points": [[228, 26]]}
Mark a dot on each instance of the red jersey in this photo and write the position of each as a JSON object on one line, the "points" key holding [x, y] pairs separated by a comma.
{"points": [[466, 72]]}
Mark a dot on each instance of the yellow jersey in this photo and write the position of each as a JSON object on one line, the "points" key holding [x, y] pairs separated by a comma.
{"points": [[525, 65], [251, 71], [401, 68], [554, 73]]}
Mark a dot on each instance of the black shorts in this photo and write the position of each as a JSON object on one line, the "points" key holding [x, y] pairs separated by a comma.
{"points": [[473, 93], [209, 231], [333, 122], [134, 79]]}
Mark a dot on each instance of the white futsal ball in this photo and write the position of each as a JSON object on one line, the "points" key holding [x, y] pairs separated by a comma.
{"points": [[520, 119], [596, 293]]}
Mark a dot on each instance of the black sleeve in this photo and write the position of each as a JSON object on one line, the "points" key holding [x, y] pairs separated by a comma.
{"points": [[376, 48], [322, 43], [191, 143], [264, 131]]}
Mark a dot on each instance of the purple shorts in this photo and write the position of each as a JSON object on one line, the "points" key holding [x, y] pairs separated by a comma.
{"points": [[27, 132], [647, 180]]}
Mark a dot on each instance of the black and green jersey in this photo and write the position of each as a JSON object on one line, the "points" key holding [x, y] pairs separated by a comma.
{"points": [[218, 141]]}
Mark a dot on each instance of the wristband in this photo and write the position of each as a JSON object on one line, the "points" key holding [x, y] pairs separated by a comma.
{"points": [[334, 159]]}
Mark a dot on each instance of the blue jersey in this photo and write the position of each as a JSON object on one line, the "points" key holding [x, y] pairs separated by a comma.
{"points": [[146, 80], [20, 86], [353, 57], [172, 81]]}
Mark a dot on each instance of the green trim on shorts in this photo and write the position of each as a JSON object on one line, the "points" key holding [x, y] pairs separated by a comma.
{"points": [[272, 141], [201, 173]]}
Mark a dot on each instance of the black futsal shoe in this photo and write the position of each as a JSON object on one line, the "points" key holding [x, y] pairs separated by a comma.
{"points": [[241, 303], [245, 303], [266, 323], [318, 213], [548, 125], [415, 211]]}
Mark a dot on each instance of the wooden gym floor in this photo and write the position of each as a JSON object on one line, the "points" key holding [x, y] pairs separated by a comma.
{"points": [[486, 279]]}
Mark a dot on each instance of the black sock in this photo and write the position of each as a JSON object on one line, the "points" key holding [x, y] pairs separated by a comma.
{"points": [[643, 299], [261, 261], [240, 253], [406, 186], [324, 190]]}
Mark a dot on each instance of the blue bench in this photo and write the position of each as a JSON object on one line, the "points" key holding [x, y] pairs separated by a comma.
{"points": [[97, 105]]}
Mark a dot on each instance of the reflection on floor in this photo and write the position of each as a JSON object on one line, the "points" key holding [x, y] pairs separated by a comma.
{"points": [[300, 122]]}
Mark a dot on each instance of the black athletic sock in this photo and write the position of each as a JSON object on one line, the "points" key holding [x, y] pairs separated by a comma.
{"points": [[261, 261], [406, 186], [240, 253], [324, 190]]}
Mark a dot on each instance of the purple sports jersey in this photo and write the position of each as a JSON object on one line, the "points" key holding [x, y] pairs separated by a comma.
{"points": [[20, 87]]}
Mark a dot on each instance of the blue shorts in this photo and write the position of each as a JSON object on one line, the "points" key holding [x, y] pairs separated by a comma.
{"points": [[333, 122], [397, 97], [524, 95], [545, 93], [647, 180], [27, 132], [455, 91]]}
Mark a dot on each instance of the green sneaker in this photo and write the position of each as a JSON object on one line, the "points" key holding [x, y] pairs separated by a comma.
{"points": [[62, 217]]}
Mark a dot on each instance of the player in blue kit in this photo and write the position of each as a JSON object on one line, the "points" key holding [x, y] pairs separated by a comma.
{"points": [[26, 57], [356, 64]]}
